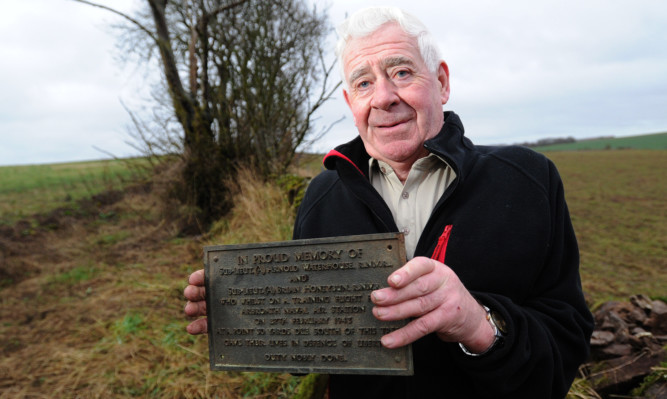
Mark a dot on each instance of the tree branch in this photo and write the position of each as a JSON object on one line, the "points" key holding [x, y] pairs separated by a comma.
{"points": [[224, 8], [127, 17]]}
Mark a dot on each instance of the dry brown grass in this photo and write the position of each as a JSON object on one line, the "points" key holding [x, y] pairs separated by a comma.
{"points": [[261, 213], [101, 316], [99, 311], [618, 208]]}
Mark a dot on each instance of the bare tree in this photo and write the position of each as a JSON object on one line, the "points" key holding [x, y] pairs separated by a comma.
{"points": [[244, 79]]}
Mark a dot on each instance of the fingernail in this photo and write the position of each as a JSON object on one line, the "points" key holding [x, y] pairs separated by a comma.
{"points": [[387, 341], [379, 295], [396, 279], [379, 312]]}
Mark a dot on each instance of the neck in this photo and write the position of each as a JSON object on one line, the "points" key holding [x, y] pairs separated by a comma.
{"points": [[402, 168]]}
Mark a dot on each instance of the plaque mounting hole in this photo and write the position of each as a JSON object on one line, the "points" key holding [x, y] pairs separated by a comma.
{"points": [[215, 259], [390, 247]]}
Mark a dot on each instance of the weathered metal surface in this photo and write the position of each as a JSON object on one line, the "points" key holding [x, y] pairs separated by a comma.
{"points": [[303, 306]]}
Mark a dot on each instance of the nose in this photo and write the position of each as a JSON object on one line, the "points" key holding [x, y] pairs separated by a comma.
{"points": [[384, 94]]}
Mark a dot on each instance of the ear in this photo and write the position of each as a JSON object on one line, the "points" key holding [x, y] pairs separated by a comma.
{"points": [[443, 78], [346, 95]]}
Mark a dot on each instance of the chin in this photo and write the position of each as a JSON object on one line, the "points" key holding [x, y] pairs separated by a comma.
{"points": [[400, 154]]}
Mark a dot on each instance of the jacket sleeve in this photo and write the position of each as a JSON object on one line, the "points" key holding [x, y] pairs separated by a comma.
{"points": [[549, 332]]}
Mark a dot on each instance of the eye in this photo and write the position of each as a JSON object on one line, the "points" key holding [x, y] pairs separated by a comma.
{"points": [[363, 84], [402, 73]]}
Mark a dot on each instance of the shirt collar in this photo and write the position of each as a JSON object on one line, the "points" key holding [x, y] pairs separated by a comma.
{"points": [[431, 161]]}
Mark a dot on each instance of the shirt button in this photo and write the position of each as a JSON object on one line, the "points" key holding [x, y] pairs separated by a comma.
{"points": [[383, 170], [406, 231], [405, 195]]}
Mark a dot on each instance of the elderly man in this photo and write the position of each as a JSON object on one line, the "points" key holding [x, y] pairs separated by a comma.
{"points": [[492, 286]]}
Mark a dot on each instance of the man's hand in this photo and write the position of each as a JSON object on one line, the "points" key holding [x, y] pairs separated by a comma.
{"points": [[195, 293], [432, 293]]}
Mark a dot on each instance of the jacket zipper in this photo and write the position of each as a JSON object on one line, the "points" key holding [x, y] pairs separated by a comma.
{"points": [[441, 247]]}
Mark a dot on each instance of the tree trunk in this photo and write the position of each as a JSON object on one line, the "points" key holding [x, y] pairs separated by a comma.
{"points": [[203, 171]]}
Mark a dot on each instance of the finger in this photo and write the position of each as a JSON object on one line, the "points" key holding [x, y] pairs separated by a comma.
{"points": [[414, 306], [195, 309], [424, 285], [411, 271], [197, 278], [421, 287], [199, 326], [194, 293], [412, 331]]}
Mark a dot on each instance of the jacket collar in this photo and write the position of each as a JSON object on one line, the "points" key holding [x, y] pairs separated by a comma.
{"points": [[450, 144]]}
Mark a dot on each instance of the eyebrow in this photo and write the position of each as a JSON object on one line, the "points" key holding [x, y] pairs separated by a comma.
{"points": [[391, 62], [357, 73], [388, 62]]}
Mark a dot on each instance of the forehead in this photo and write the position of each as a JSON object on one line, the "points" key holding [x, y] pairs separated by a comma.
{"points": [[383, 47]]}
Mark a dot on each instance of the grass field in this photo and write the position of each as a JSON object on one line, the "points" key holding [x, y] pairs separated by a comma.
{"points": [[618, 209], [94, 307], [657, 141], [26, 190]]}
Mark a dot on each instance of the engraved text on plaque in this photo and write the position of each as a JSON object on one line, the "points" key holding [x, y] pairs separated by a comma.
{"points": [[303, 306]]}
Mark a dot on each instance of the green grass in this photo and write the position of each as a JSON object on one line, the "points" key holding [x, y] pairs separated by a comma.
{"points": [[74, 276], [113, 238], [129, 326], [657, 141], [30, 189]]}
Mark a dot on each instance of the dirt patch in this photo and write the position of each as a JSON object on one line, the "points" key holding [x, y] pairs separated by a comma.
{"points": [[88, 289], [100, 314], [22, 245]]}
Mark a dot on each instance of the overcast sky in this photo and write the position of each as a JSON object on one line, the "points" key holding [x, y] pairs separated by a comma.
{"points": [[520, 70]]}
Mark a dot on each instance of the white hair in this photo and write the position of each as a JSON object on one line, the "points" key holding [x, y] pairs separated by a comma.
{"points": [[368, 20]]}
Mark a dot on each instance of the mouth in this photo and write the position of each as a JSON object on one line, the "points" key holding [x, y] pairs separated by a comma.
{"points": [[391, 124], [390, 121]]}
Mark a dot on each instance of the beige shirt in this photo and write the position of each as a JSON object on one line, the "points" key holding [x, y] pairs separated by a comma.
{"points": [[411, 203]]}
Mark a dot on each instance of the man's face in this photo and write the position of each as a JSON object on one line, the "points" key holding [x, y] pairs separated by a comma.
{"points": [[395, 100]]}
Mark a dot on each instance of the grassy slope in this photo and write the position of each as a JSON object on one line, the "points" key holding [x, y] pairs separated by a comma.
{"points": [[101, 313], [657, 141], [26, 190]]}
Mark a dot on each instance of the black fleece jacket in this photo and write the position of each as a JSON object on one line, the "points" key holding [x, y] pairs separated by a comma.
{"points": [[504, 228]]}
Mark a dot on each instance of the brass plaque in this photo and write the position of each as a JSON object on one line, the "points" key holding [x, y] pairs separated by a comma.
{"points": [[303, 306]]}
